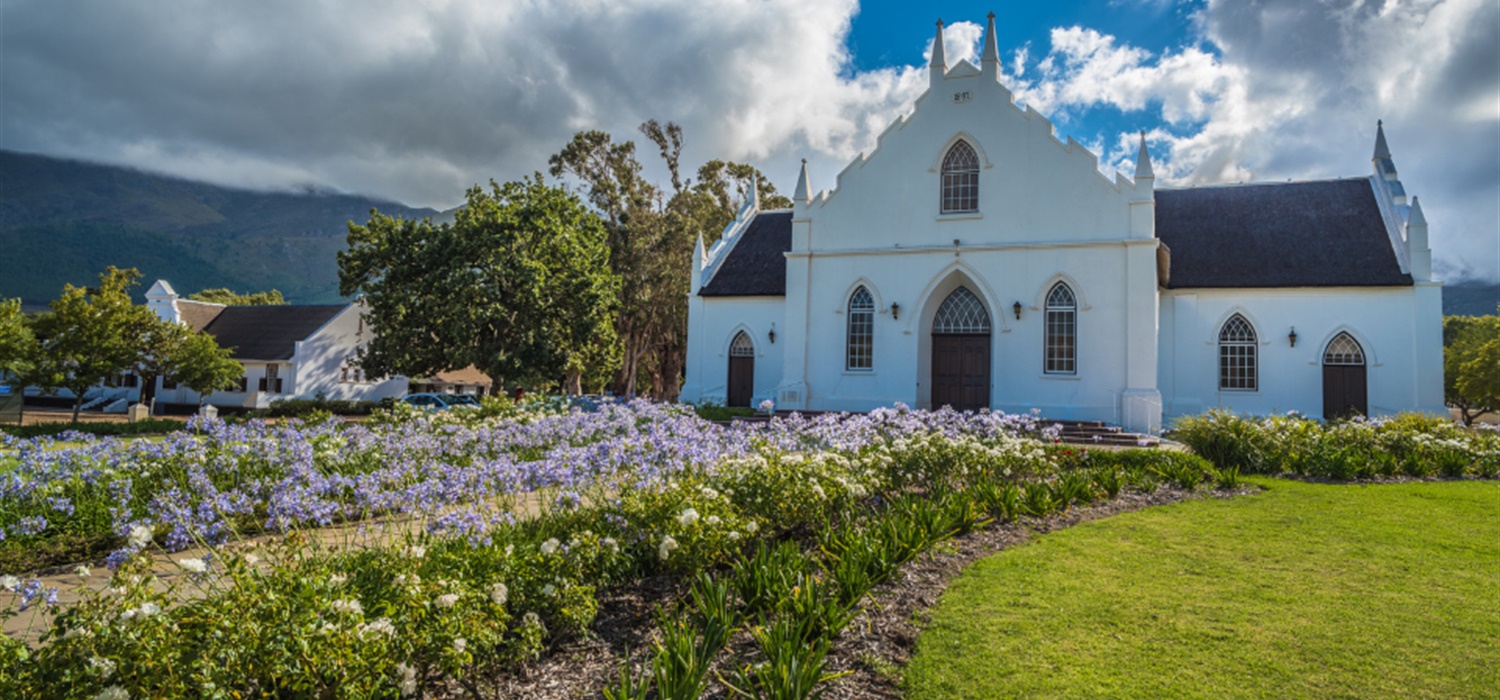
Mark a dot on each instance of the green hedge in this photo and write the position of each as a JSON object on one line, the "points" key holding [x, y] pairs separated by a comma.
{"points": [[149, 426]]}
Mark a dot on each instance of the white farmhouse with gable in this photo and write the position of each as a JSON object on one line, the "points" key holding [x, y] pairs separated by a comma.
{"points": [[289, 351], [974, 260]]}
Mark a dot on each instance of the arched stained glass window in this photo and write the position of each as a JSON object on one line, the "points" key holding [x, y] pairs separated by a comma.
{"points": [[960, 179], [1237, 360], [861, 331], [1062, 331], [741, 346], [961, 312], [1343, 350]]}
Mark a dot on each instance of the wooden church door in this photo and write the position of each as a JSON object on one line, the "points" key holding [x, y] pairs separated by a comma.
{"points": [[961, 353], [741, 371], [1345, 389]]}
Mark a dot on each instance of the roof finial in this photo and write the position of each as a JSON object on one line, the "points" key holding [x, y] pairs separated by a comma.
{"points": [[1381, 150], [1416, 218], [990, 61], [804, 191], [939, 63], [1143, 161]]}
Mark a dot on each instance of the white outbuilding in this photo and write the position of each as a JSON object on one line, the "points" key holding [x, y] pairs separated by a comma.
{"points": [[974, 260]]}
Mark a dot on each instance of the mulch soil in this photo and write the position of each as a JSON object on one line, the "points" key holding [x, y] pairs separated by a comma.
{"points": [[870, 651]]}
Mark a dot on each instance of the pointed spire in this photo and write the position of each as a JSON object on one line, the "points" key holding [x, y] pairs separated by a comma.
{"points": [[1143, 162], [990, 61], [700, 254], [1416, 218], [804, 191], [939, 63], [754, 193], [1381, 150]]}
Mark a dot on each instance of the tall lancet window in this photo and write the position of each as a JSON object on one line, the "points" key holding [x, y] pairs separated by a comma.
{"points": [[960, 179], [1237, 365], [1062, 331], [861, 338]]}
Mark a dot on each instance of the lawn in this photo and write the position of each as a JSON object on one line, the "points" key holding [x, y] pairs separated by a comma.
{"points": [[1303, 590]]}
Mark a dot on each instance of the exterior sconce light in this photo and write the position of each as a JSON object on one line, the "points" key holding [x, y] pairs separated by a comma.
{"points": [[1292, 337], [895, 311], [1017, 308], [772, 334]]}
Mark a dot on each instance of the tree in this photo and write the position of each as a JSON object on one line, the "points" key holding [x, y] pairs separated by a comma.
{"points": [[1471, 365], [229, 298], [198, 363], [17, 343], [91, 334], [518, 285], [651, 237]]}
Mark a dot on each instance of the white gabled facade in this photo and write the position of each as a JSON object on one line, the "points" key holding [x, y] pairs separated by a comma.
{"points": [[1129, 350]]}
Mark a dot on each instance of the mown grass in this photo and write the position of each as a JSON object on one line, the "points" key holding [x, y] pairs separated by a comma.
{"points": [[1304, 590]]}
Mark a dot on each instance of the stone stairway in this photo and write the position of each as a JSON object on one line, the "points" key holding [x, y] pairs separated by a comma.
{"points": [[1086, 432]]}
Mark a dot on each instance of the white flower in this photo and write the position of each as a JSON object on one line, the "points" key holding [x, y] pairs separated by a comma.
{"points": [[412, 579], [751, 527], [688, 517], [531, 620], [767, 406], [610, 544], [113, 692], [509, 549], [346, 605], [460, 644], [733, 535], [82, 571], [146, 610], [140, 535], [818, 491], [416, 551], [251, 559], [712, 520], [193, 566], [9, 583], [499, 593], [709, 493], [550, 546], [381, 626], [667, 545], [408, 679], [549, 590], [338, 579], [447, 600], [104, 667]]}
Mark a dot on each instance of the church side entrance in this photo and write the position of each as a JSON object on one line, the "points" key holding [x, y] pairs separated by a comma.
{"points": [[1345, 392], [741, 371], [961, 353]]}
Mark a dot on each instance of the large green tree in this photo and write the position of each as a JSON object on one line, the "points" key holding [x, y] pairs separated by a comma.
{"points": [[198, 363], [91, 334], [518, 285], [1471, 365], [651, 233]]}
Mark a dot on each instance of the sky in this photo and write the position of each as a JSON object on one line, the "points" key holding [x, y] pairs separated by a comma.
{"points": [[416, 101]]}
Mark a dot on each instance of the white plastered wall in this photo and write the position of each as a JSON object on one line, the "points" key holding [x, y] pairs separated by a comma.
{"points": [[714, 323]]}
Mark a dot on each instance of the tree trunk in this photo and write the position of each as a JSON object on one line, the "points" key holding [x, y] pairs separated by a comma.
{"points": [[573, 384], [77, 404]]}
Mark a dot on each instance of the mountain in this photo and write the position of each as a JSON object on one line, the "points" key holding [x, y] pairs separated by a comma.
{"points": [[64, 221], [1470, 299]]}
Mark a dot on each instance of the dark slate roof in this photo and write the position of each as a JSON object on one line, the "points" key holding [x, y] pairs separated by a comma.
{"points": [[1296, 234], [268, 332], [756, 265]]}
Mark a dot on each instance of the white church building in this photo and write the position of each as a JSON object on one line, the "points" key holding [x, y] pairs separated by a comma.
{"points": [[974, 260]]}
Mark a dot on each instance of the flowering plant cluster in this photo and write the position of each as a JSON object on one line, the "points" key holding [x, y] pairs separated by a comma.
{"points": [[484, 540], [1413, 445]]}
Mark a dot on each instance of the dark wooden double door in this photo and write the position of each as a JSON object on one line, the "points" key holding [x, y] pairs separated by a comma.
{"points": [[961, 371], [1345, 392], [741, 381]]}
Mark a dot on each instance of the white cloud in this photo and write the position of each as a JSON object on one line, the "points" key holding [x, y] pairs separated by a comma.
{"points": [[418, 101]]}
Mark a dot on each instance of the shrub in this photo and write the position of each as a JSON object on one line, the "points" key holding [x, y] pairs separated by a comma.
{"points": [[150, 426]]}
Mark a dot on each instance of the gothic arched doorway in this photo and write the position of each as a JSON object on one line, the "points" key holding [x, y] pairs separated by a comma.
{"points": [[741, 370], [961, 353], [1345, 392]]}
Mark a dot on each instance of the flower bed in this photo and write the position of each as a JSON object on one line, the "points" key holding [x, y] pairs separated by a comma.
{"points": [[1408, 445], [778, 530]]}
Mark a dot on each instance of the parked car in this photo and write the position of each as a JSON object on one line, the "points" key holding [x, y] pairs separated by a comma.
{"points": [[440, 402]]}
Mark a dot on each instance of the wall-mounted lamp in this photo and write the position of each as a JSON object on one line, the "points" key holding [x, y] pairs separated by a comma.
{"points": [[1292, 337], [1017, 308], [895, 311], [772, 334]]}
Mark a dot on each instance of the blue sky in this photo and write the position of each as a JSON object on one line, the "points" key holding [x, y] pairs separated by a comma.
{"points": [[417, 101]]}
